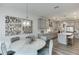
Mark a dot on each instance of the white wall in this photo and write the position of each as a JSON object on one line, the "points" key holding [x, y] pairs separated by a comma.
{"points": [[16, 13]]}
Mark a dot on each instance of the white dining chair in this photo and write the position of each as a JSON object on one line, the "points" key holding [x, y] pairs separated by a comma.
{"points": [[50, 47], [3, 49]]}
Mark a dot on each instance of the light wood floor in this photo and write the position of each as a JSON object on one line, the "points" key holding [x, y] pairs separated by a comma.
{"points": [[61, 49]]}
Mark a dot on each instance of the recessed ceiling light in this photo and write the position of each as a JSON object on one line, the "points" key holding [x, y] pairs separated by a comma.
{"points": [[56, 7]]}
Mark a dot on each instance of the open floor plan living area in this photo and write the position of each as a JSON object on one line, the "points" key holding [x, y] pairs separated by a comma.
{"points": [[39, 28]]}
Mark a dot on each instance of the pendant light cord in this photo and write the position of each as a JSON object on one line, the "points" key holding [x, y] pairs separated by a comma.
{"points": [[27, 10]]}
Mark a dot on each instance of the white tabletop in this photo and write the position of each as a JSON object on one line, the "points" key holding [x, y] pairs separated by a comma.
{"points": [[35, 45]]}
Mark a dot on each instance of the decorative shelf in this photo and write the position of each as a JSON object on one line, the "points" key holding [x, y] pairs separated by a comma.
{"points": [[14, 26]]}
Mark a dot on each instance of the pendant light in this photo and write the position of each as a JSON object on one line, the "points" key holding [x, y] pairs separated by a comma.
{"points": [[27, 6], [25, 22]]}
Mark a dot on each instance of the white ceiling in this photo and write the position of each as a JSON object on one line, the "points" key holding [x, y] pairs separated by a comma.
{"points": [[42, 9], [13, 8], [48, 10]]}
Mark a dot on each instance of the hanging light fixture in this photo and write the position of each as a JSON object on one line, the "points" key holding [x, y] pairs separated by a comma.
{"points": [[27, 10], [56, 7], [25, 22]]}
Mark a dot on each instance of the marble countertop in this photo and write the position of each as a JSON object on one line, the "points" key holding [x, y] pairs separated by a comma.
{"points": [[66, 33]]}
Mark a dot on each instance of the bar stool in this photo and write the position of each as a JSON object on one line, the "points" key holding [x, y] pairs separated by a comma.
{"points": [[70, 40]]}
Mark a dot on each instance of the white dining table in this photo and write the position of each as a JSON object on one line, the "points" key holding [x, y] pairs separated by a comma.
{"points": [[30, 49]]}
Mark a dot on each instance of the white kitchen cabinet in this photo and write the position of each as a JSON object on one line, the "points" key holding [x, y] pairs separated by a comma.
{"points": [[66, 38], [42, 24], [62, 38]]}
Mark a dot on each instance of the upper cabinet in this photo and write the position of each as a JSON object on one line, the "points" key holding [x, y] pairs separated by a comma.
{"points": [[42, 23], [47, 25]]}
